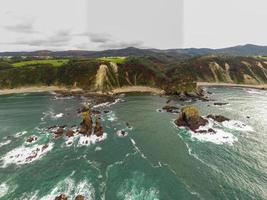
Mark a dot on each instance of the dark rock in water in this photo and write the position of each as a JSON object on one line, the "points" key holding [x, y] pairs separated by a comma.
{"points": [[128, 125], [80, 197], [190, 118], [218, 118], [171, 109], [70, 133], [209, 92], [96, 112], [248, 117], [61, 197], [210, 130], [87, 124], [202, 131], [31, 139], [106, 111], [98, 130], [122, 133], [168, 101], [45, 147], [220, 104], [59, 132]]}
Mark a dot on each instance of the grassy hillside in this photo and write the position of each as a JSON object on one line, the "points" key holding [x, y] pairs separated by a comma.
{"points": [[53, 62], [107, 73], [93, 74]]}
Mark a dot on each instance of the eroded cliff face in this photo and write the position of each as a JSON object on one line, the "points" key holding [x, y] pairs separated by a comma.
{"points": [[229, 70]]}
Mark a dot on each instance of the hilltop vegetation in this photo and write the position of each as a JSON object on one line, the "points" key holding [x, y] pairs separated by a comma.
{"points": [[53, 62], [107, 73]]}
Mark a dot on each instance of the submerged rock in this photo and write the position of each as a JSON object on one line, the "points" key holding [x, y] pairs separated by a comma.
{"points": [[171, 109], [31, 139], [80, 197], [70, 133], [61, 197], [218, 118], [190, 118], [220, 104]]}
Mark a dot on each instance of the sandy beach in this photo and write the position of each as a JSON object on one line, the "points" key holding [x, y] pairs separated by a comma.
{"points": [[34, 89], [208, 84], [138, 89]]}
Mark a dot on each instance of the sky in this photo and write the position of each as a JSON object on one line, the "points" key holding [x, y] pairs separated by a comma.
{"points": [[28, 25]]}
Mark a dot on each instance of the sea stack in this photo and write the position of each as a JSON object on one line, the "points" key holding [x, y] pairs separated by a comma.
{"points": [[190, 118], [87, 123], [98, 130]]}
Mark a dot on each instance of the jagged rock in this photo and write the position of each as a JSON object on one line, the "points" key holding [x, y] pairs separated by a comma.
{"points": [[87, 124], [171, 109], [218, 118], [59, 132], [220, 104], [98, 130], [70, 133], [190, 118], [45, 147], [80, 197], [61, 197], [31, 139]]}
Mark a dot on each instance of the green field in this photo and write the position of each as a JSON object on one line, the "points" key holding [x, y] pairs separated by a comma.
{"points": [[54, 62], [118, 60]]}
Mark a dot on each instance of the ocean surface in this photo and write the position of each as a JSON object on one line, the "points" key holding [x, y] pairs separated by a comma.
{"points": [[155, 161]]}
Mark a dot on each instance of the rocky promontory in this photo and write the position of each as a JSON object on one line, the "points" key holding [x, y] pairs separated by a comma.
{"points": [[189, 117]]}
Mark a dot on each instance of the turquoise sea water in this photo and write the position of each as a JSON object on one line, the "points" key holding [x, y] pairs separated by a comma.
{"points": [[156, 160]]}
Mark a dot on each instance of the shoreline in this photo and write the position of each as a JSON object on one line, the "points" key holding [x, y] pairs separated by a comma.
{"points": [[35, 89], [209, 84], [126, 89], [141, 89]]}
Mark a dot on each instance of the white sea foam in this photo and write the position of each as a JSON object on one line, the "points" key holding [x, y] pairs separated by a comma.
{"points": [[112, 117], [3, 189], [132, 189], [253, 91], [23, 155], [107, 104], [52, 115], [5, 143], [21, 133], [71, 189], [238, 126], [98, 149], [92, 139], [122, 133], [58, 115], [219, 137]]}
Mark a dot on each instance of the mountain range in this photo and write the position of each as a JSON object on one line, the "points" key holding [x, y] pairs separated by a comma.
{"points": [[245, 50]]}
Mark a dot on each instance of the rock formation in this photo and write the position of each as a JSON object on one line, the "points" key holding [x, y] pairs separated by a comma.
{"points": [[61, 197], [98, 130], [87, 124], [218, 118], [190, 118], [80, 197]]}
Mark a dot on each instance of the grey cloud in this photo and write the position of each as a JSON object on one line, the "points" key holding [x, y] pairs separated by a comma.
{"points": [[21, 28], [60, 38], [119, 45], [100, 38]]}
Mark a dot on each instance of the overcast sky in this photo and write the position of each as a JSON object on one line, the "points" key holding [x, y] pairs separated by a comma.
{"points": [[107, 24]]}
